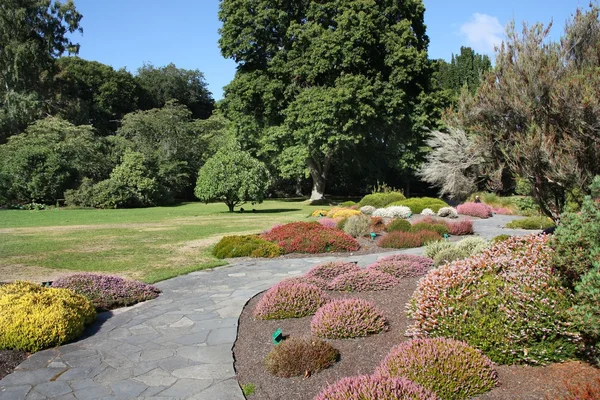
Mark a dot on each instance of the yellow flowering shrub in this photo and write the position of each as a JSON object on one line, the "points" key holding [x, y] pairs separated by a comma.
{"points": [[345, 213], [33, 317], [319, 213]]}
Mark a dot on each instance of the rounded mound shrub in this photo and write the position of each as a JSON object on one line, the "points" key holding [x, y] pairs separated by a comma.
{"points": [[290, 300], [245, 246], [404, 240], [450, 368], [393, 212], [472, 245], [348, 203], [531, 223], [331, 270], [345, 213], [428, 212], [418, 204], [367, 210], [371, 387], [33, 317], [310, 237], [447, 212], [107, 292], [401, 225], [363, 280], [480, 210], [402, 265], [319, 213], [296, 357], [500, 238], [433, 248], [328, 222], [377, 225], [442, 229], [460, 228], [448, 255], [380, 200], [358, 225], [506, 301], [347, 318]]}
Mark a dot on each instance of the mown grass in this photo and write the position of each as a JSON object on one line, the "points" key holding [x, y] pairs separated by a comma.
{"points": [[149, 244]]}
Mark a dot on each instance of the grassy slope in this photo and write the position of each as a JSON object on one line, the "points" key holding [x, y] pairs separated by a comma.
{"points": [[149, 244]]}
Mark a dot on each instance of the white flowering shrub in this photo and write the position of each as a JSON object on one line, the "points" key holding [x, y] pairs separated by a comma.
{"points": [[367, 210], [448, 212], [393, 212], [427, 211]]}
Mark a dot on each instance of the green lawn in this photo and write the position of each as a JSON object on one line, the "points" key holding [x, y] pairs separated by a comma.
{"points": [[150, 244]]}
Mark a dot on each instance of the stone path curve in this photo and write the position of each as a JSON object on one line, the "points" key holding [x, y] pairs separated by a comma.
{"points": [[175, 347]]}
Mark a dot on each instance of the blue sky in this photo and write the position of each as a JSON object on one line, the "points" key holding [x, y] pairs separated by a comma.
{"points": [[129, 33]]}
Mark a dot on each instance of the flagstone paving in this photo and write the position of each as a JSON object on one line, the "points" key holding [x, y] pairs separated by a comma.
{"points": [[177, 346]]}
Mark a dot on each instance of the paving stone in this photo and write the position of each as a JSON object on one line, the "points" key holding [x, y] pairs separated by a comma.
{"points": [[206, 371], [186, 388], [38, 360], [33, 395], [82, 384], [111, 375], [219, 354], [173, 363], [53, 389], [192, 339], [225, 390], [222, 336], [182, 323], [156, 377], [92, 393], [14, 392], [85, 362], [156, 354], [128, 389], [30, 377]]}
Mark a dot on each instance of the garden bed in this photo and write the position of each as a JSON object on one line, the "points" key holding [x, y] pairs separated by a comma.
{"points": [[9, 360], [363, 355]]}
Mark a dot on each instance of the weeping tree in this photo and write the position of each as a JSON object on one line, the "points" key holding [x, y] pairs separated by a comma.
{"points": [[316, 79]]}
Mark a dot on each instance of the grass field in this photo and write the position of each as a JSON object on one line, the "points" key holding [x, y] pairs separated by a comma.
{"points": [[149, 244]]}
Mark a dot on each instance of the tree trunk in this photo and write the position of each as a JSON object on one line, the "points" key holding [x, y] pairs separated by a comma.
{"points": [[230, 205], [318, 172]]}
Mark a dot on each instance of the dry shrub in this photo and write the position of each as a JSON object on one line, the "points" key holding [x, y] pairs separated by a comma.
{"points": [[300, 357]]}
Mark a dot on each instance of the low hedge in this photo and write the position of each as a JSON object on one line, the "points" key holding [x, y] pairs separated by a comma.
{"points": [[380, 200], [245, 246], [418, 204]]}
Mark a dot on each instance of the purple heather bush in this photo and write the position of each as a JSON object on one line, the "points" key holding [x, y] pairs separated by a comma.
{"points": [[347, 318], [290, 300], [475, 210], [331, 270], [107, 292], [506, 301], [450, 368], [371, 387], [363, 280], [320, 283], [403, 265]]}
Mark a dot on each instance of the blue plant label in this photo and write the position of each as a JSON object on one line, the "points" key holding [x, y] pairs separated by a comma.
{"points": [[277, 336]]}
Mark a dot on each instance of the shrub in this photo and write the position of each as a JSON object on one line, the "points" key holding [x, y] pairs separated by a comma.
{"points": [[417, 204], [370, 387], [377, 225], [368, 210], [475, 210], [428, 212], [500, 238], [401, 225], [531, 223], [290, 300], [363, 280], [33, 317], [380, 200], [447, 212], [393, 212], [297, 357], [517, 309], [448, 255], [107, 292], [245, 246], [460, 228], [434, 227], [358, 225], [472, 245], [345, 213], [310, 237], [348, 204], [587, 306], [433, 248], [495, 201], [502, 211], [401, 266], [328, 222], [319, 213], [347, 318], [588, 391], [331, 270], [404, 240], [450, 368], [341, 223]]}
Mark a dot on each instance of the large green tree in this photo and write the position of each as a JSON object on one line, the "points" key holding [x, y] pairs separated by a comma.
{"points": [[465, 69], [33, 33], [317, 79]]}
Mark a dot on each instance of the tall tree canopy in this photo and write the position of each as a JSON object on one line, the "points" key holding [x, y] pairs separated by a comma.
{"points": [[316, 79], [464, 70], [33, 33]]}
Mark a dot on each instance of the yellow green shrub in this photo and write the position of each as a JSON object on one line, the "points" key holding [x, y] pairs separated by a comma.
{"points": [[33, 317], [319, 213], [345, 213]]}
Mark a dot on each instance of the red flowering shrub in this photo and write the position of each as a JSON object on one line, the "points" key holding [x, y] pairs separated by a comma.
{"points": [[403, 265], [450, 368], [404, 240], [290, 300], [459, 228], [475, 210], [310, 237], [363, 280], [506, 301], [347, 318], [370, 387]]}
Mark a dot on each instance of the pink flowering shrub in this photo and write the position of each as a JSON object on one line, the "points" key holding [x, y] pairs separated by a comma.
{"points": [[371, 387], [403, 265], [347, 318], [320, 283], [450, 368], [290, 300], [310, 237], [363, 280], [475, 210], [107, 292], [460, 228], [328, 222], [506, 301], [331, 270], [502, 211]]}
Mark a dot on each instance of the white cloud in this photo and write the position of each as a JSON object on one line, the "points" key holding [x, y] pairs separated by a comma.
{"points": [[483, 32]]}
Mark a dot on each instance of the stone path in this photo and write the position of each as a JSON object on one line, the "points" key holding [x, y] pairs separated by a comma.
{"points": [[175, 347]]}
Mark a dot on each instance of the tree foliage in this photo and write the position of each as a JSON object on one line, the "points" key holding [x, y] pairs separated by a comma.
{"points": [[465, 69], [233, 177], [317, 80]]}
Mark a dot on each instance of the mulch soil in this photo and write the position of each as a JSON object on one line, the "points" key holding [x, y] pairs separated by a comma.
{"points": [[9, 360], [363, 355]]}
